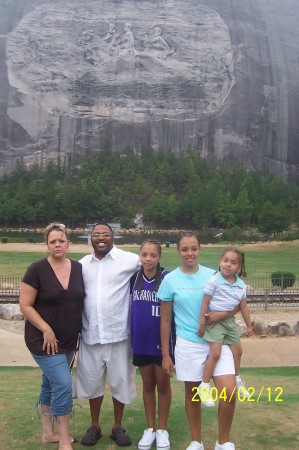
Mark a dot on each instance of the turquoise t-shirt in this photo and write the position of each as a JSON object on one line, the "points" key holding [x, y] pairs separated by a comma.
{"points": [[186, 293]]}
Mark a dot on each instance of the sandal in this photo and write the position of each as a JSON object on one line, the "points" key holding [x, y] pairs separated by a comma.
{"points": [[119, 436], [92, 436]]}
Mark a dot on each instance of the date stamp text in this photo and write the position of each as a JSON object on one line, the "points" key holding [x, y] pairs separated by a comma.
{"points": [[264, 393]]}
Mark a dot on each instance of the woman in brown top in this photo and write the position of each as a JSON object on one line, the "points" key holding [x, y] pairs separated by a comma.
{"points": [[51, 299]]}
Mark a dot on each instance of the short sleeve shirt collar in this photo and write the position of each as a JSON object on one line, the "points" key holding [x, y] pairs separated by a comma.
{"points": [[222, 280]]}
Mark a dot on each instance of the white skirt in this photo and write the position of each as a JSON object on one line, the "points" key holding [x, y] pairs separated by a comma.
{"points": [[190, 358]]}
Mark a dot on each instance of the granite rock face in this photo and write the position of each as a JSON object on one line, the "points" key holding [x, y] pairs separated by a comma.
{"points": [[220, 76]]}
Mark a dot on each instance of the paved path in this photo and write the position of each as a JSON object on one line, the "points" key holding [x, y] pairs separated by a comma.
{"points": [[270, 351], [13, 351], [257, 352]]}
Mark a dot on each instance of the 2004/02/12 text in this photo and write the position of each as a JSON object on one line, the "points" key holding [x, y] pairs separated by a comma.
{"points": [[255, 395]]}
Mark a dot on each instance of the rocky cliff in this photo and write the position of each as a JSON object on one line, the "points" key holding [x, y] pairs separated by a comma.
{"points": [[220, 76]]}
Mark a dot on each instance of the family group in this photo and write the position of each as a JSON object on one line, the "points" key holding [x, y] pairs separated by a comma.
{"points": [[130, 312]]}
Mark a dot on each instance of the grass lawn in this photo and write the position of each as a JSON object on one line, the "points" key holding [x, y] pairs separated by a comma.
{"points": [[258, 425], [261, 260]]}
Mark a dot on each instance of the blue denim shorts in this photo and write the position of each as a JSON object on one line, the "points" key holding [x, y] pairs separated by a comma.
{"points": [[56, 386]]}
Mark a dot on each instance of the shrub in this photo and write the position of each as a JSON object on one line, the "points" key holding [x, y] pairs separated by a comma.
{"points": [[290, 236], [283, 279], [15, 240]]}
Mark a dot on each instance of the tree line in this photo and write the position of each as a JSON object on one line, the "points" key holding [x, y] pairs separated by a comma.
{"points": [[169, 190]]}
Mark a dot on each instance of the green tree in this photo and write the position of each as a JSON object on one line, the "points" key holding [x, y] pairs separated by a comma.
{"points": [[172, 208], [170, 189], [206, 203], [226, 211], [273, 218], [252, 185], [243, 208], [161, 210]]}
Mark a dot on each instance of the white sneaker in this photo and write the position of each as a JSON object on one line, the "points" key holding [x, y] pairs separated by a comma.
{"points": [[162, 440], [195, 445], [243, 393], [204, 392], [147, 440], [226, 446]]}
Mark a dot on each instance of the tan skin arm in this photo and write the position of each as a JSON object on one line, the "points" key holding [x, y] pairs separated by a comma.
{"points": [[26, 302], [246, 316], [166, 317], [214, 317], [203, 313]]}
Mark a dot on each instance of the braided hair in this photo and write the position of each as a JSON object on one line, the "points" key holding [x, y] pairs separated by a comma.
{"points": [[158, 274], [187, 234]]}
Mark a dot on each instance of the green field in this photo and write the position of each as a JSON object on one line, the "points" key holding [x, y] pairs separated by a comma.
{"points": [[271, 423], [261, 260]]}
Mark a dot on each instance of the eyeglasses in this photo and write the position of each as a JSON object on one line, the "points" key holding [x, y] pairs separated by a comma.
{"points": [[105, 235]]}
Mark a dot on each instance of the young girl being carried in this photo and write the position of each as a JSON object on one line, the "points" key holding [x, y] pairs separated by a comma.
{"points": [[146, 344], [223, 292]]}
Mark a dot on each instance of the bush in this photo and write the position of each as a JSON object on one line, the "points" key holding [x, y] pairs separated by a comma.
{"points": [[283, 279], [15, 240], [290, 236]]}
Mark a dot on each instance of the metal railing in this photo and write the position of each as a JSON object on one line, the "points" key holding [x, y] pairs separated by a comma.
{"points": [[10, 288], [260, 292]]}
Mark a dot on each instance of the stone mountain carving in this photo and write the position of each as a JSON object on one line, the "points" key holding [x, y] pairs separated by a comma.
{"points": [[100, 51], [106, 63], [171, 75]]}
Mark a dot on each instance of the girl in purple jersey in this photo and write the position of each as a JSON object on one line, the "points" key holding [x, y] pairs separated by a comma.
{"points": [[146, 344]]}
